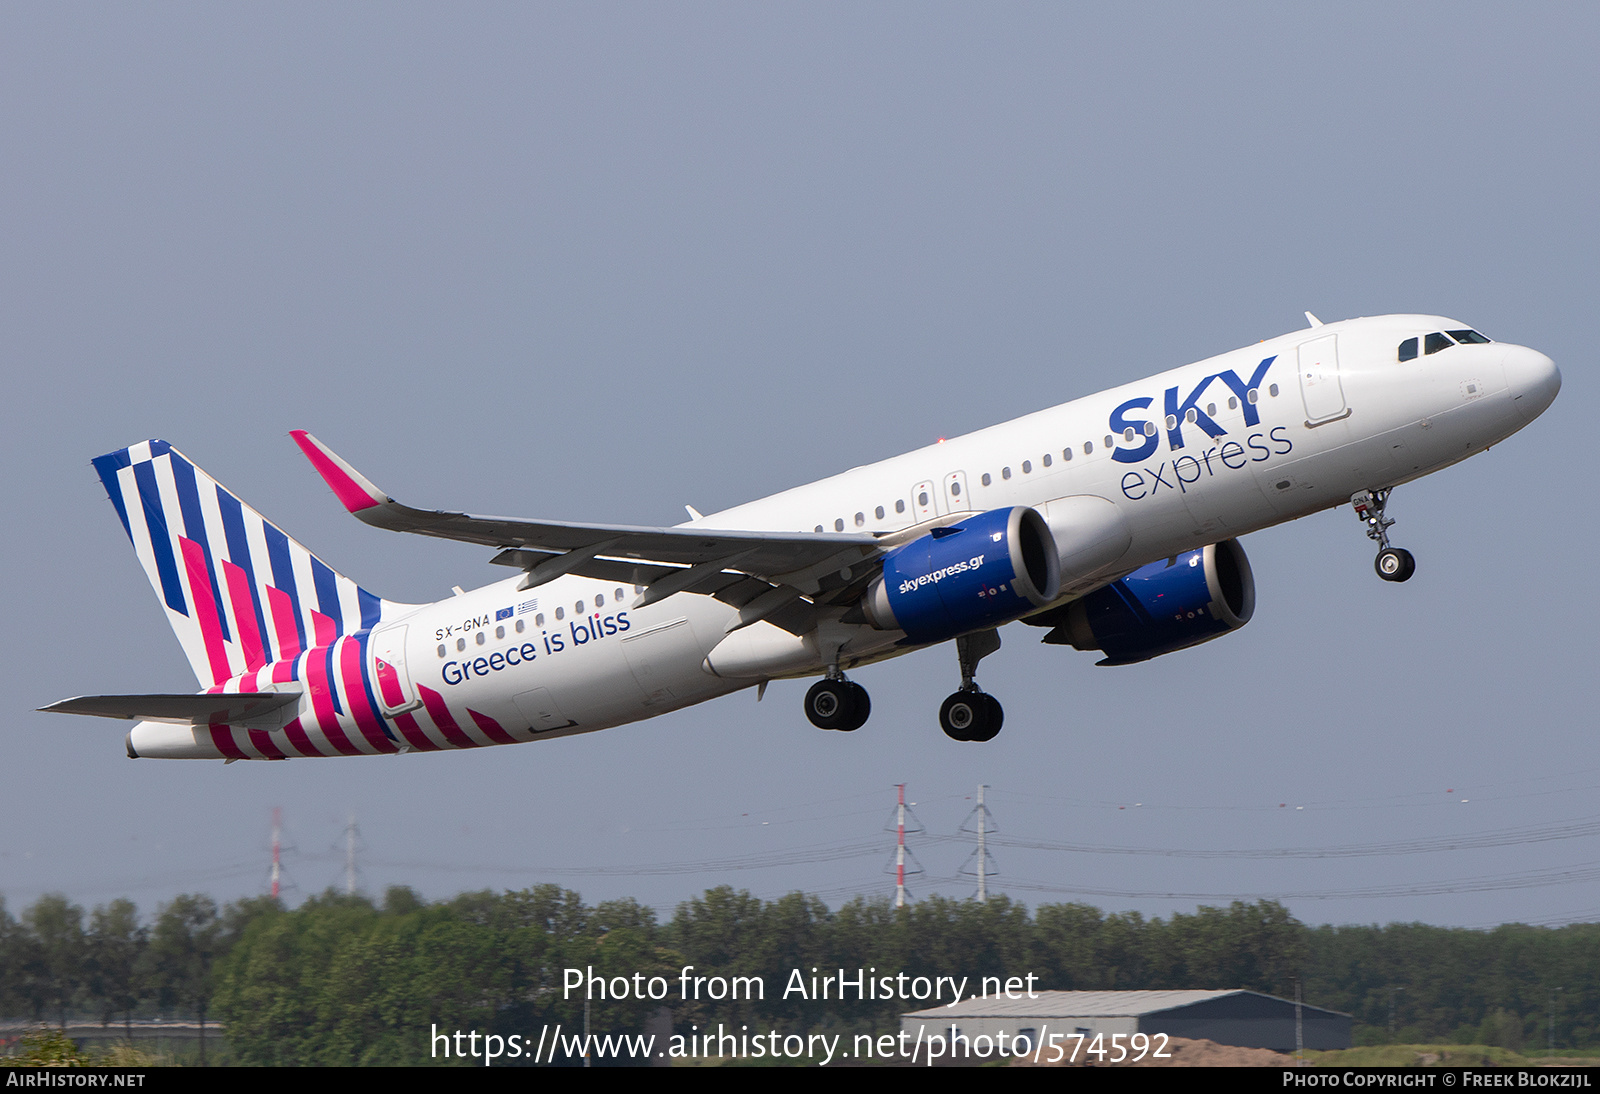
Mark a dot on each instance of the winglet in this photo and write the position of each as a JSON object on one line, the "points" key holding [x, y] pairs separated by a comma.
{"points": [[351, 487], [1313, 320]]}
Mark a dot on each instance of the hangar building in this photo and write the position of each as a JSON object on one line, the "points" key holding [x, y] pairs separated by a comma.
{"points": [[1247, 1019]]}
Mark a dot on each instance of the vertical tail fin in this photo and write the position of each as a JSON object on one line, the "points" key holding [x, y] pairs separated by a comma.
{"points": [[238, 592]]}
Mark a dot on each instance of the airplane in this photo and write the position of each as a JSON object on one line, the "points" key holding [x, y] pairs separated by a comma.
{"points": [[1111, 522]]}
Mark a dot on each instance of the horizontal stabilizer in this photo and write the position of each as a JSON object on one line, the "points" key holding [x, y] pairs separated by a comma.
{"points": [[189, 710]]}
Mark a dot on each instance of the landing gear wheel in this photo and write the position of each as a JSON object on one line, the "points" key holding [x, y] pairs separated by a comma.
{"points": [[838, 704], [1395, 564], [959, 713], [860, 707], [971, 716], [996, 718], [1392, 563]]}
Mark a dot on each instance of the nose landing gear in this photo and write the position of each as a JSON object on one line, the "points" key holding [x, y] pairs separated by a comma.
{"points": [[1392, 563]]}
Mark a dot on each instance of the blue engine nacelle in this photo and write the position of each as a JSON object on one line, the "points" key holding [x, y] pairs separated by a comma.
{"points": [[988, 569], [1165, 606]]}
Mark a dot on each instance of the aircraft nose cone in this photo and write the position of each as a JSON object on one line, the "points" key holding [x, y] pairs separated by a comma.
{"points": [[1533, 380]]}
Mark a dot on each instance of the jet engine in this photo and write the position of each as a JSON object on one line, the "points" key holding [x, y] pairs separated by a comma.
{"points": [[1165, 606], [986, 570]]}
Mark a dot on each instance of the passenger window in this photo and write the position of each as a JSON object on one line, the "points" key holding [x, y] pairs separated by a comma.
{"points": [[1088, 447], [1127, 434], [441, 651], [599, 600], [986, 479], [818, 528], [1469, 337], [1233, 404], [538, 620], [1273, 391], [1253, 396], [561, 613], [1005, 472], [1027, 467], [1047, 459], [838, 523], [1149, 429], [461, 644], [499, 633], [1066, 454], [482, 638], [578, 608], [1436, 342], [900, 506], [922, 498], [619, 596], [1110, 441], [955, 489], [521, 626], [861, 518], [878, 512], [1172, 420], [1408, 350]]}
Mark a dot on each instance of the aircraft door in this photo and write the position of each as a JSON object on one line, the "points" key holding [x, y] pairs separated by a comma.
{"points": [[387, 648], [955, 492], [924, 503], [1319, 380]]}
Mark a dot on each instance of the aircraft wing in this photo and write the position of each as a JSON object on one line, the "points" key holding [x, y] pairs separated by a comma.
{"points": [[744, 568]]}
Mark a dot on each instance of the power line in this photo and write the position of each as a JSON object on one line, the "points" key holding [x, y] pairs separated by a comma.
{"points": [[1507, 837]]}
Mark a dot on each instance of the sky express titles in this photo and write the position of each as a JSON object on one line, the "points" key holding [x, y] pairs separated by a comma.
{"points": [[1189, 469], [582, 631]]}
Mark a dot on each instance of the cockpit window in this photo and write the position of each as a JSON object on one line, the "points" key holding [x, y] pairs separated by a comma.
{"points": [[1436, 342], [1408, 350], [1469, 338]]}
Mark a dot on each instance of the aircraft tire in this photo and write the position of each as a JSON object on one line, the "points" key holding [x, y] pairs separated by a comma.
{"points": [[830, 704], [995, 717], [860, 707], [1395, 564], [964, 715]]}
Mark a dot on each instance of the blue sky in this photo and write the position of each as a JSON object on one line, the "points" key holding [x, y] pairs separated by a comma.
{"points": [[593, 262]]}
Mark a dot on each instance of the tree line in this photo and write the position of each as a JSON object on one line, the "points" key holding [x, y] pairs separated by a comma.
{"points": [[345, 980]]}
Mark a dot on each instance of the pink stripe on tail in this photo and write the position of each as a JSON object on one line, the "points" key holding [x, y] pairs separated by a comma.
{"points": [[281, 612], [244, 615], [206, 609]]}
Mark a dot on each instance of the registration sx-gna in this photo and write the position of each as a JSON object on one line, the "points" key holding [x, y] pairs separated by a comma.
{"points": [[1470, 1079], [855, 984]]}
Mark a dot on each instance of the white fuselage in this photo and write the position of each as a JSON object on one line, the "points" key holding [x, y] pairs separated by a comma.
{"points": [[1255, 437]]}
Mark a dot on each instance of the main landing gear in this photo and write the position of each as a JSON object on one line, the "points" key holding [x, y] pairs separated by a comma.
{"points": [[837, 703], [1392, 563], [971, 714]]}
